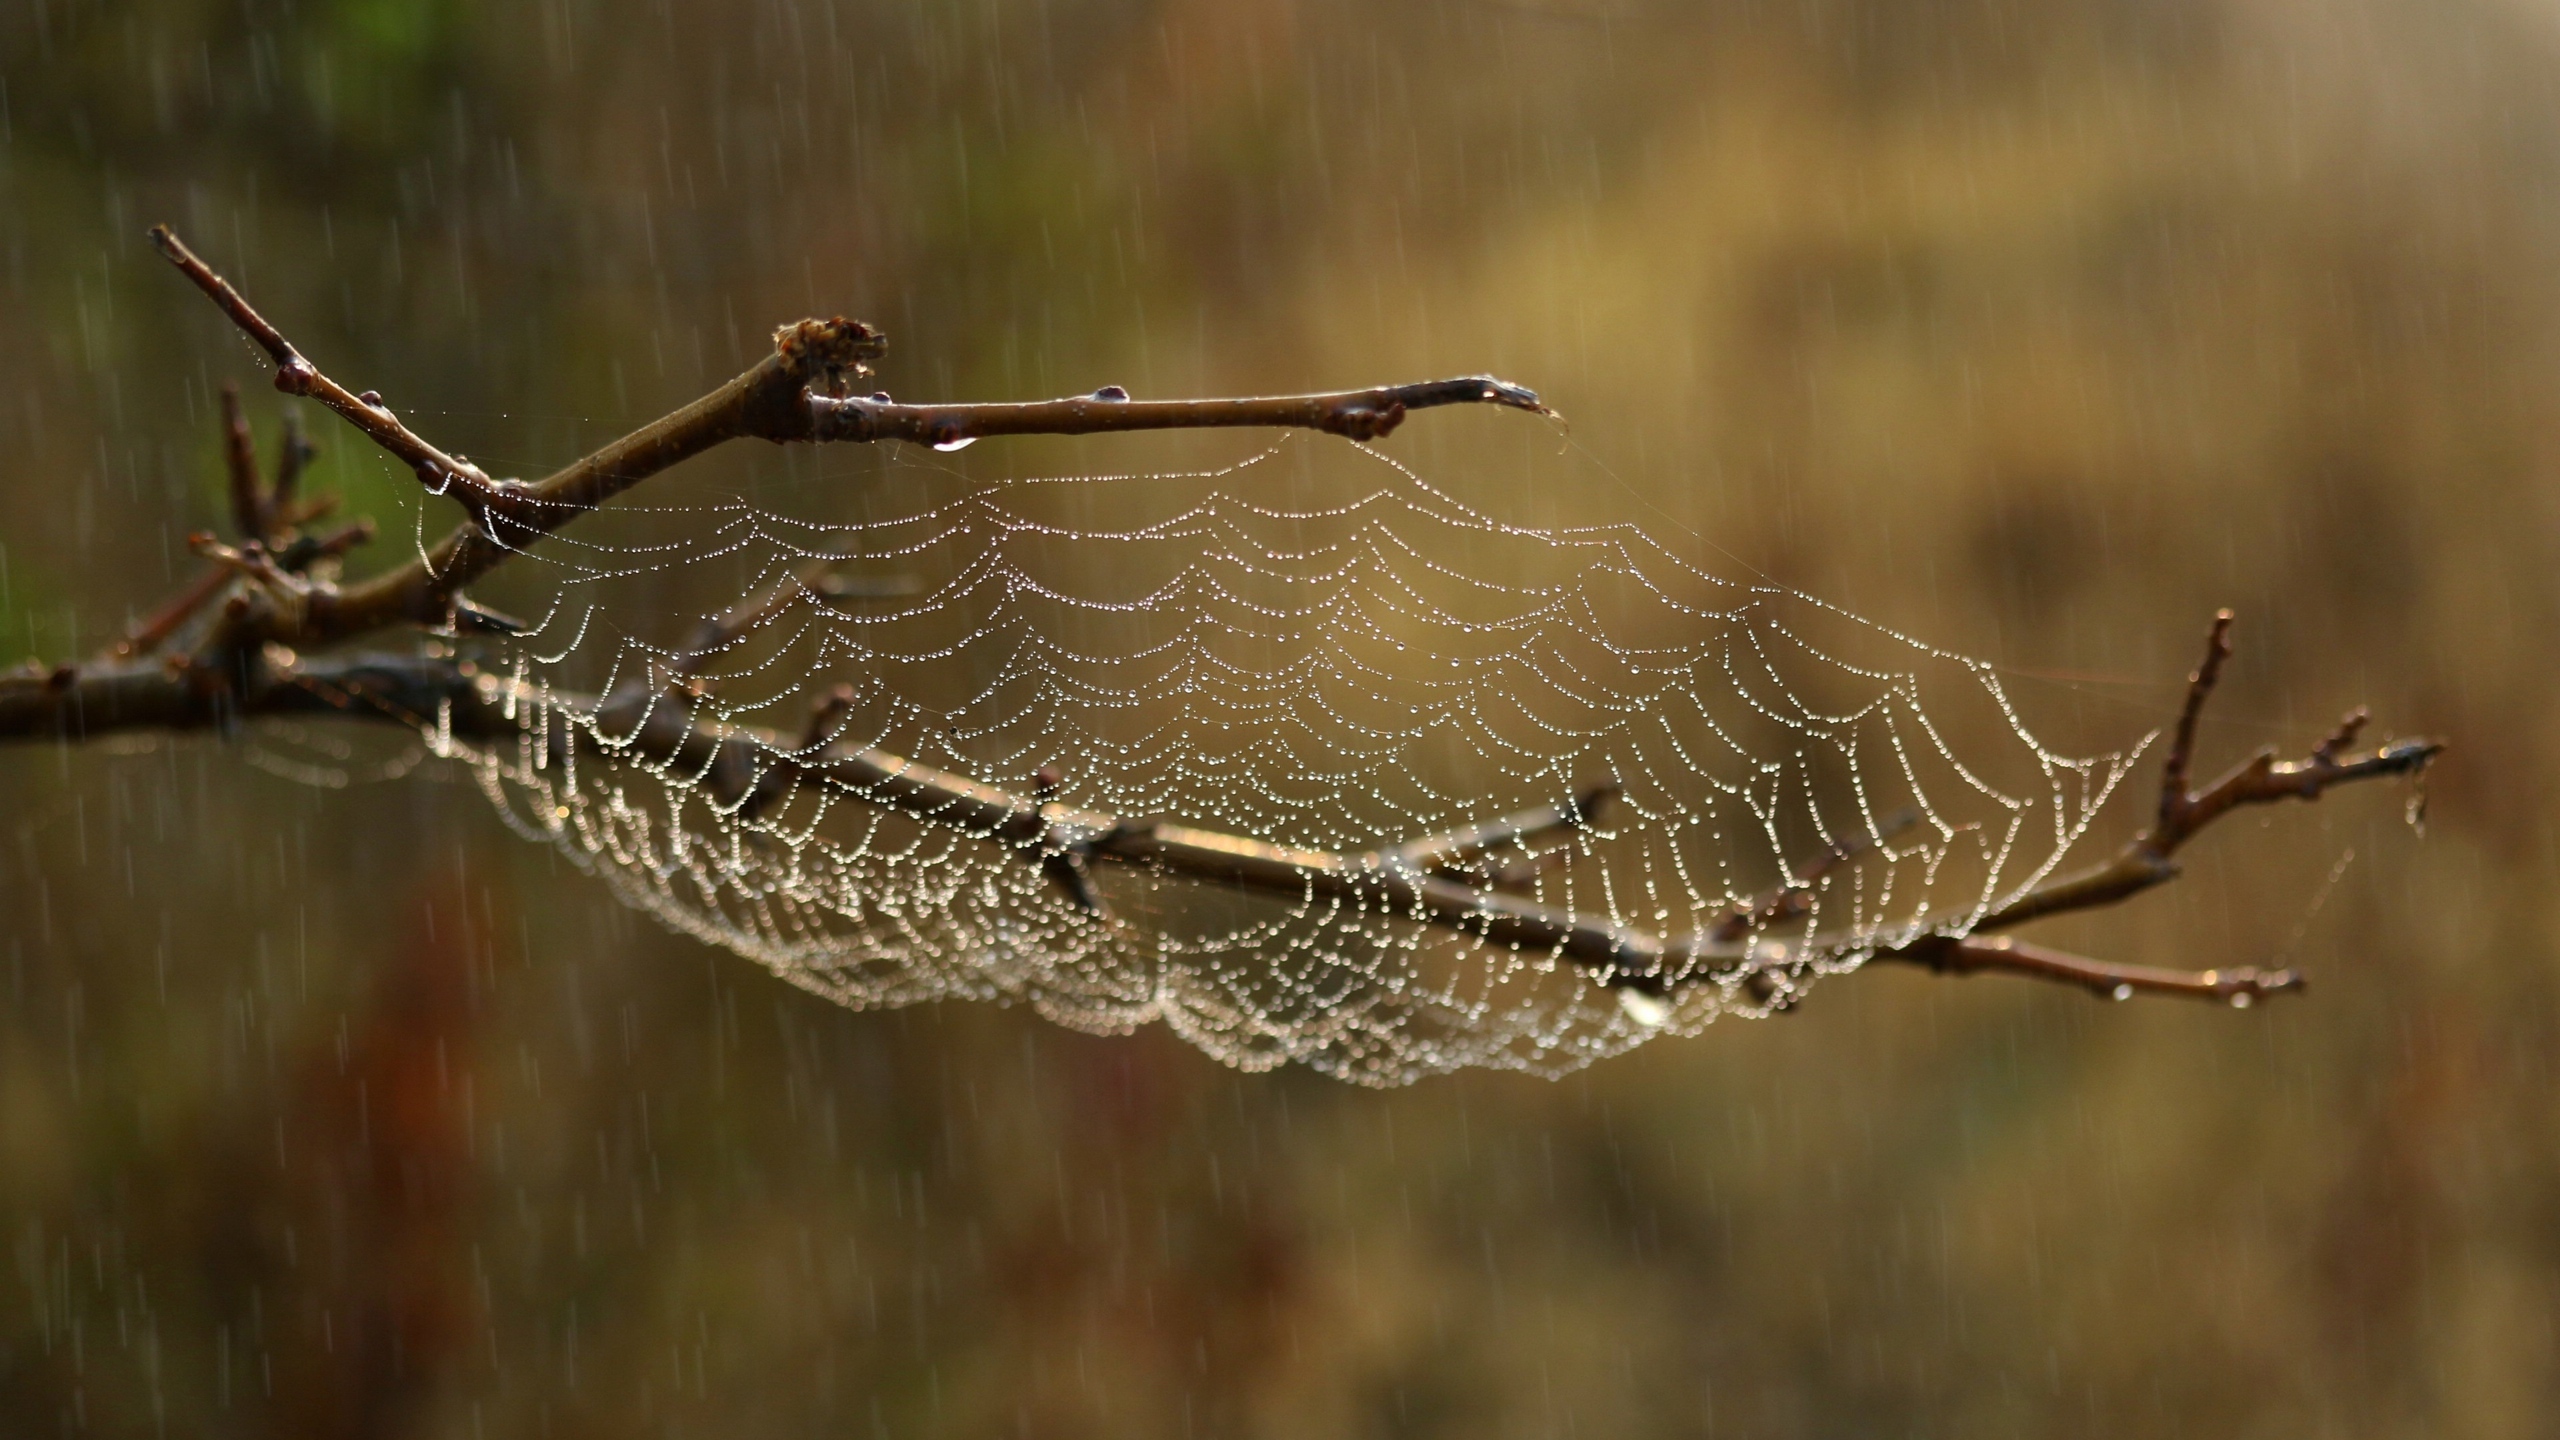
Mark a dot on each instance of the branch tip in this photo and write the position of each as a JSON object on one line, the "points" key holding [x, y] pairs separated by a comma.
{"points": [[2182, 746], [2239, 987], [289, 362]]}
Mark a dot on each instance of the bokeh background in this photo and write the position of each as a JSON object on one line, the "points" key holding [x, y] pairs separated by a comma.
{"points": [[2037, 328]]}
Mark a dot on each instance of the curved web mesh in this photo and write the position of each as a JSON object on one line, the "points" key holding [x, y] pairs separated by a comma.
{"points": [[1316, 648]]}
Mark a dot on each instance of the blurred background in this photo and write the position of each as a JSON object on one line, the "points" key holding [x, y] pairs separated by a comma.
{"points": [[2035, 328]]}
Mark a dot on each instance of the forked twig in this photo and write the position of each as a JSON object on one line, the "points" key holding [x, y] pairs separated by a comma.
{"points": [[2261, 779], [2148, 860], [784, 397], [719, 632]]}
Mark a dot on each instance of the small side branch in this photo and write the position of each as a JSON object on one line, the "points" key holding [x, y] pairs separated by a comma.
{"points": [[240, 461], [1447, 852], [149, 633], [1794, 900], [298, 376], [719, 632], [794, 394], [2261, 779]]}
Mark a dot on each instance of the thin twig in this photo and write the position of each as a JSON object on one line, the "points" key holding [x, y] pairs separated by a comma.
{"points": [[2174, 799], [779, 399], [302, 551], [294, 451], [1982, 955], [719, 632], [249, 513], [298, 376], [1794, 899], [147, 634], [1448, 851], [1352, 414], [2261, 779]]}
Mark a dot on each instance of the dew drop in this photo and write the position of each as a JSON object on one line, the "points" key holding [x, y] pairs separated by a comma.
{"points": [[2240, 999], [2121, 992], [1643, 1009]]}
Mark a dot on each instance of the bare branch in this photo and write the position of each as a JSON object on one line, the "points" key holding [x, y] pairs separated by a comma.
{"points": [[2002, 955], [250, 560], [2182, 743], [147, 635], [846, 589], [774, 400], [294, 452], [1064, 841], [302, 551], [249, 512], [413, 690], [718, 632], [1794, 900], [2259, 780], [297, 376], [1447, 852], [1352, 414]]}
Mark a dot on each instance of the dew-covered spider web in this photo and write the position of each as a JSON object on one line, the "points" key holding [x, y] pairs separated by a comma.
{"points": [[1314, 647]]}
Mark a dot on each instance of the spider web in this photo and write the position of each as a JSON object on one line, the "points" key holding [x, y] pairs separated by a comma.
{"points": [[1313, 647]]}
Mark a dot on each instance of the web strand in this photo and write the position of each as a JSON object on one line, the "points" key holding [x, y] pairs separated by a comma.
{"points": [[1361, 663]]}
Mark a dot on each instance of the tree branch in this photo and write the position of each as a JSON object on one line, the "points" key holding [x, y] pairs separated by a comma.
{"points": [[1978, 954], [247, 665], [1351, 414], [1448, 853], [475, 706], [774, 400], [2259, 780], [240, 460], [297, 376]]}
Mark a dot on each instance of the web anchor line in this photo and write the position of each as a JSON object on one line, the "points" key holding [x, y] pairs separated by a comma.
{"points": [[1633, 890]]}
